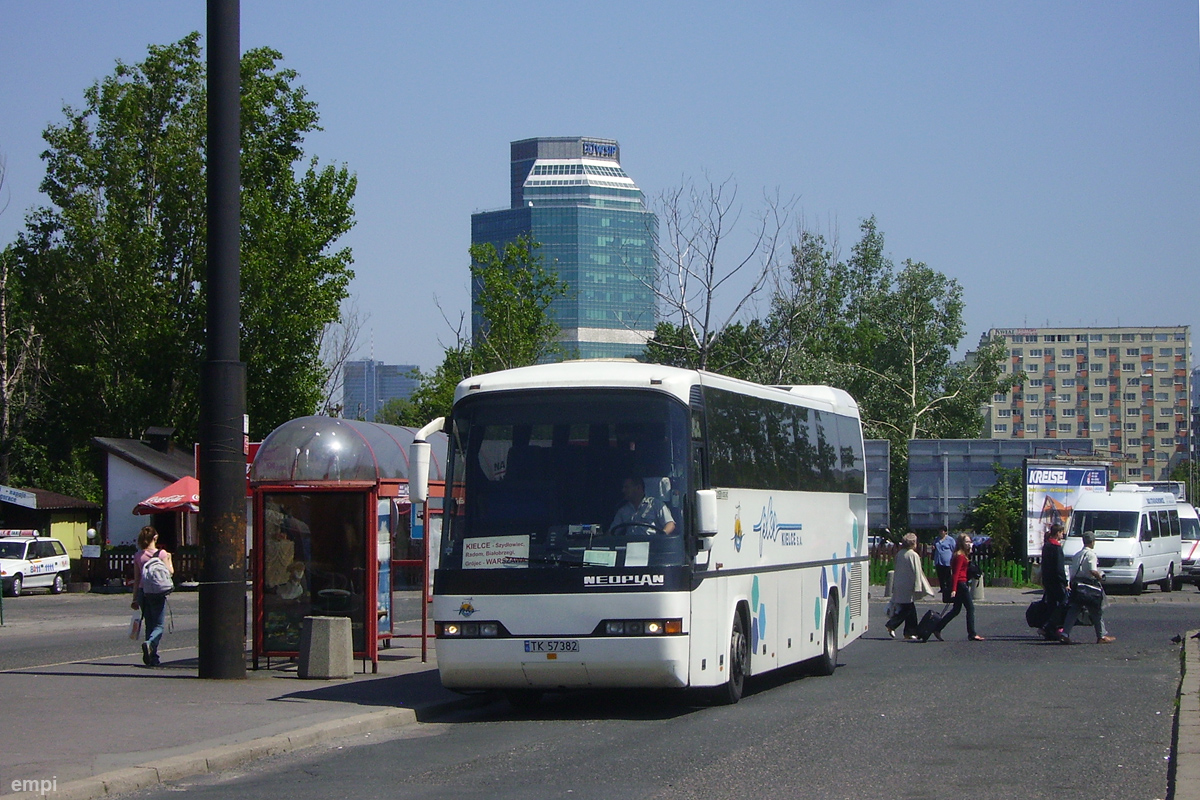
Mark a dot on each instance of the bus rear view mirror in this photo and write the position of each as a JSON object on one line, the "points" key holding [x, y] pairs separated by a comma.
{"points": [[706, 512], [418, 472]]}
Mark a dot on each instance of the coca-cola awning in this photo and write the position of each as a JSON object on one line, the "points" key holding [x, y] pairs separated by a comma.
{"points": [[182, 495]]}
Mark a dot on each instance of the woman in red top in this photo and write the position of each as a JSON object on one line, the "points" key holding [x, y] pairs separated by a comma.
{"points": [[962, 590]]}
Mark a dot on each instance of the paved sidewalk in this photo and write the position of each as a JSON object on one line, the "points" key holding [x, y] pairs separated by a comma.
{"points": [[1185, 749], [83, 729]]}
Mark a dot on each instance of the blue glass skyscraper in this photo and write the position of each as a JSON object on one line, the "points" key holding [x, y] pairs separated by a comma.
{"points": [[570, 195]]}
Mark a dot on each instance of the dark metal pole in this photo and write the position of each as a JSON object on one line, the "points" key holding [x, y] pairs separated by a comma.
{"points": [[222, 628]]}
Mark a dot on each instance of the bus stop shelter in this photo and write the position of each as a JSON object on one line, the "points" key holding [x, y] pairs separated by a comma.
{"points": [[331, 508]]}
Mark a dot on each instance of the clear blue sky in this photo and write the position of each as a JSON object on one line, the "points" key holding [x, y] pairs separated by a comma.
{"points": [[1046, 155]]}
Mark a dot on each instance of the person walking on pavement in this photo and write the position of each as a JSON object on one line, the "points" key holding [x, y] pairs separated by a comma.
{"points": [[1087, 591], [962, 590], [909, 585], [943, 552], [152, 604], [1054, 582]]}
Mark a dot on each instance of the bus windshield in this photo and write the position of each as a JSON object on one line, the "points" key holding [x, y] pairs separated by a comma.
{"points": [[558, 479], [1105, 524]]}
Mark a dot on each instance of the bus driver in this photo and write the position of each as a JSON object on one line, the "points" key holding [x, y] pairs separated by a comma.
{"points": [[640, 511]]}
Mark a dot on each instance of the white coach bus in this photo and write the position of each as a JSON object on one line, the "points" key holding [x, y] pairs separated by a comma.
{"points": [[616, 524]]}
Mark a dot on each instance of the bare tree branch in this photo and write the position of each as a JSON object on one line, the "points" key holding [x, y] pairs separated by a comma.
{"points": [[692, 272], [338, 343]]}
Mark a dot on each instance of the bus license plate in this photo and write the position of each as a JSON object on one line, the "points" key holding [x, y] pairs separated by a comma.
{"points": [[551, 646]]}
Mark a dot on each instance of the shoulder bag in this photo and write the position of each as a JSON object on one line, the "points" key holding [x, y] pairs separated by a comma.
{"points": [[1088, 593]]}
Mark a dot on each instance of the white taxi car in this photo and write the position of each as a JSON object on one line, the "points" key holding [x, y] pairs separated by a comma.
{"points": [[32, 561]]}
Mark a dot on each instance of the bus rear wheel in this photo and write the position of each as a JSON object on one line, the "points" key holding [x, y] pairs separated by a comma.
{"points": [[739, 664], [826, 663]]}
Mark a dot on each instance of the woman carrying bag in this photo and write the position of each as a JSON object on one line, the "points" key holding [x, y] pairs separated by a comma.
{"points": [[151, 600], [1086, 592]]}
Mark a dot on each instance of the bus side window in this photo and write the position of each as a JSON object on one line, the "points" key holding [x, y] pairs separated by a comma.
{"points": [[1144, 535], [1173, 517]]}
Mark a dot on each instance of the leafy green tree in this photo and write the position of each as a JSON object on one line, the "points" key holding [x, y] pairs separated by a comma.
{"points": [[1189, 473], [999, 511], [397, 411], [888, 338], [115, 264], [514, 297], [738, 350], [514, 291], [20, 356]]}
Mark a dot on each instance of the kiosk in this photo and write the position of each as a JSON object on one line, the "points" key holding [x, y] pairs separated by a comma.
{"points": [[321, 486]]}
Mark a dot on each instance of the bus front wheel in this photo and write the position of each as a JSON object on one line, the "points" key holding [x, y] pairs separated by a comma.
{"points": [[826, 663], [739, 663]]}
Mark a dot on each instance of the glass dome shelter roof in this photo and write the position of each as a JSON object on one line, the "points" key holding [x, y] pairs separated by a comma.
{"points": [[340, 450]]}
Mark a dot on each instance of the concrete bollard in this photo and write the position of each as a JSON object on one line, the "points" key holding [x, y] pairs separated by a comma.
{"points": [[887, 584], [326, 649], [977, 593]]}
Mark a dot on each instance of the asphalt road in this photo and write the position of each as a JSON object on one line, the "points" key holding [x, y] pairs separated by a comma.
{"points": [[1012, 717], [41, 629]]}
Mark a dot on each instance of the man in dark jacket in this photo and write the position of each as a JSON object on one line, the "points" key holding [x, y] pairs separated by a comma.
{"points": [[1054, 581]]}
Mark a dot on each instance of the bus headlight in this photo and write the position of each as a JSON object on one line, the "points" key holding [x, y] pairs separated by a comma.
{"points": [[468, 630], [639, 627]]}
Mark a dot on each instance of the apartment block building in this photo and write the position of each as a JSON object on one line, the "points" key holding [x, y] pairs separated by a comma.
{"points": [[1126, 389]]}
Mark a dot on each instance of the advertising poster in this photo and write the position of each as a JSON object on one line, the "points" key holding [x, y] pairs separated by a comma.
{"points": [[1051, 490]]}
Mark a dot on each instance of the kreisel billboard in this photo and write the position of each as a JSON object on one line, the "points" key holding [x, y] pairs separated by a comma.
{"points": [[1052, 489]]}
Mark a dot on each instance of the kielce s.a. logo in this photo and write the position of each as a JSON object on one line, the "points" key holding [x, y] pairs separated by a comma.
{"points": [[466, 609], [770, 529]]}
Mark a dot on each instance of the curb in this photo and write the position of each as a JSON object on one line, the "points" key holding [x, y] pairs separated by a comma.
{"points": [[225, 757], [1185, 745]]}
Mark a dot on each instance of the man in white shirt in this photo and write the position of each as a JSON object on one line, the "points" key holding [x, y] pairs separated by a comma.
{"points": [[1085, 569], [641, 513]]}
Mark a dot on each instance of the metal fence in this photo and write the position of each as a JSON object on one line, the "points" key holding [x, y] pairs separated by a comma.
{"points": [[994, 567]]}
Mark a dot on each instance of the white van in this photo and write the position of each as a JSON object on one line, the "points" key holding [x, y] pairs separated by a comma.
{"points": [[1137, 535], [1189, 533]]}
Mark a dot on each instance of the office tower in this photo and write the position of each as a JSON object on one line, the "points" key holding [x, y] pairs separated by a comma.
{"points": [[571, 195], [1126, 389], [368, 385]]}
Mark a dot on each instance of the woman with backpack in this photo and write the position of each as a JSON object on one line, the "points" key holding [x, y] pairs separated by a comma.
{"points": [[151, 585]]}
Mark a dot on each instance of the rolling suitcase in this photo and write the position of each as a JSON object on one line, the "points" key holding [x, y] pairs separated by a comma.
{"points": [[927, 624], [1038, 614]]}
